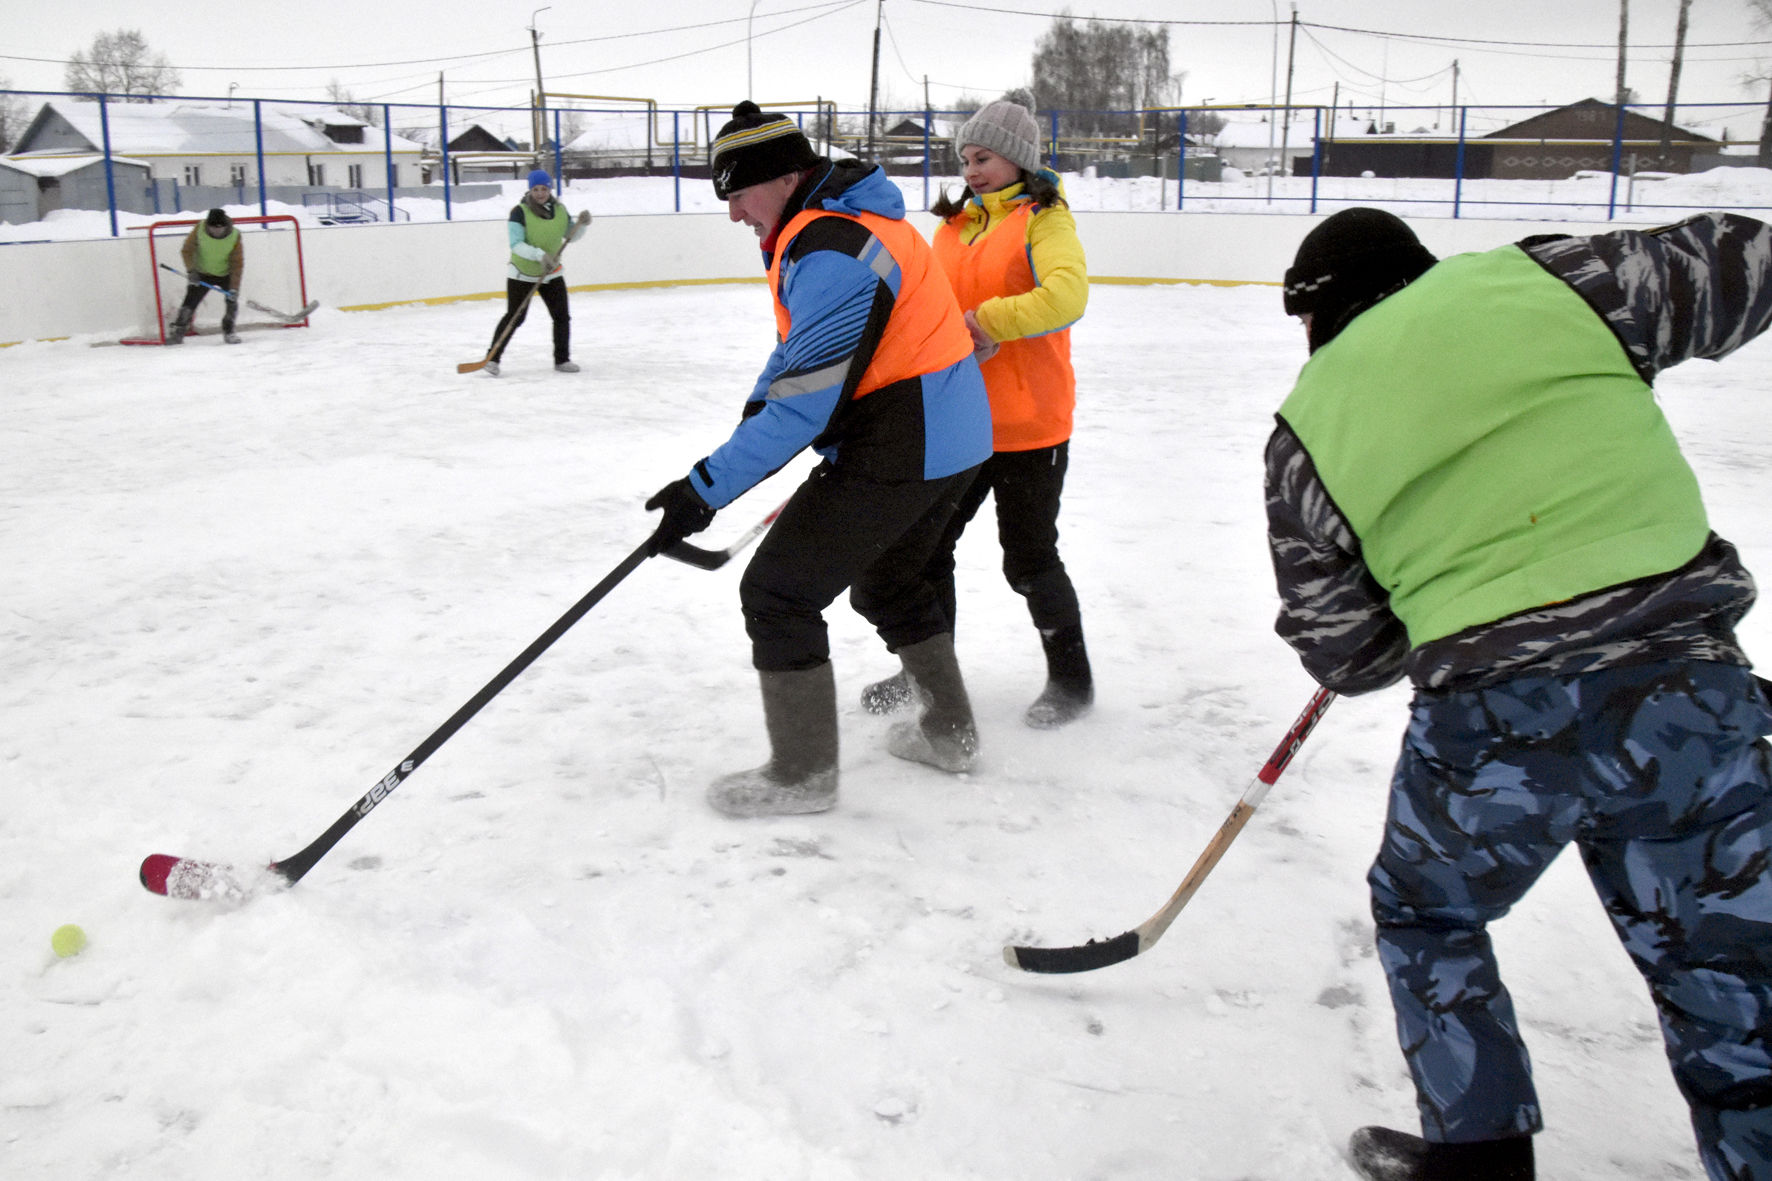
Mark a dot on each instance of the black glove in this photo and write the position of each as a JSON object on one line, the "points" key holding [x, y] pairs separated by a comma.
{"points": [[685, 512]]}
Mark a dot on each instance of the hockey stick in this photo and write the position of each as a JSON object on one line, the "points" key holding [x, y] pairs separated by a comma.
{"points": [[180, 877], [713, 559], [286, 317], [584, 219], [1088, 956]]}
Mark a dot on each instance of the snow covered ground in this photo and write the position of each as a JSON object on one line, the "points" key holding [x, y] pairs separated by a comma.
{"points": [[242, 583], [1588, 196]]}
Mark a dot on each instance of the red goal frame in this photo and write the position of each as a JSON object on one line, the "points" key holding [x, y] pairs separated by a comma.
{"points": [[301, 266]]}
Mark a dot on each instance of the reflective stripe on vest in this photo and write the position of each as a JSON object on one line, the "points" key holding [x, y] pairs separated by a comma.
{"points": [[925, 333], [1486, 437], [1032, 386]]}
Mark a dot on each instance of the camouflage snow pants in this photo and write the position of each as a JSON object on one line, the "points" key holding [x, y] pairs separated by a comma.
{"points": [[1659, 774]]}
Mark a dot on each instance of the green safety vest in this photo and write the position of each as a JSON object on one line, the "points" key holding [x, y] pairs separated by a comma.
{"points": [[1486, 437], [213, 252], [547, 233]]}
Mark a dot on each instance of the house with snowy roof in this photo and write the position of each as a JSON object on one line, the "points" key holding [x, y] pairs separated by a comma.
{"points": [[220, 144]]}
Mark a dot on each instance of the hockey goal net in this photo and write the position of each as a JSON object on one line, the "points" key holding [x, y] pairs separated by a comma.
{"points": [[273, 280]]}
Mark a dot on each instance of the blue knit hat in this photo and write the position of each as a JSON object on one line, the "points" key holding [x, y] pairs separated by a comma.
{"points": [[538, 177]]}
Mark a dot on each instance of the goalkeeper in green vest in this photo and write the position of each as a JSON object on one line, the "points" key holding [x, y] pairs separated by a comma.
{"points": [[213, 258], [1472, 486], [539, 229]]}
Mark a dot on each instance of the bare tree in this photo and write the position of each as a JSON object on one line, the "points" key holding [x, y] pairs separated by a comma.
{"points": [[1102, 72], [1762, 13], [121, 63], [15, 112], [347, 102]]}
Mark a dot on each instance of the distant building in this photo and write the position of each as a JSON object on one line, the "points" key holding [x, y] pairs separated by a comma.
{"points": [[31, 189], [1549, 146], [475, 154], [198, 144]]}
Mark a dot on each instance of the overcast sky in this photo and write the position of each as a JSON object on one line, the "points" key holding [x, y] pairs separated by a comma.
{"points": [[687, 53]]}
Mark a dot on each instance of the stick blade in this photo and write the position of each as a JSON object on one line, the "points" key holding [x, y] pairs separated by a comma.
{"points": [[1083, 958], [694, 555], [470, 366], [194, 881]]}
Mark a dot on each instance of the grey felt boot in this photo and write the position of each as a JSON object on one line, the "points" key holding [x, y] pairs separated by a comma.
{"points": [[891, 695], [945, 736], [800, 712], [1070, 687]]}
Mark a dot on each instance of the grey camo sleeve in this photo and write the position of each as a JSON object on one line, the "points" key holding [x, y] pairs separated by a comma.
{"points": [[1699, 288], [1332, 611]]}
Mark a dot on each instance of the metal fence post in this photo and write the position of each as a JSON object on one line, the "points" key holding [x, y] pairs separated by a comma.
{"points": [[443, 136], [1617, 159], [1458, 166], [1317, 154], [104, 127], [258, 141], [1180, 157], [387, 143]]}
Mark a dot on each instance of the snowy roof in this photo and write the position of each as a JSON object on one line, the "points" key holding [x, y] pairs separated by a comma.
{"points": [[604, 132], [1251, 130], [190, 128], [60, 165]]}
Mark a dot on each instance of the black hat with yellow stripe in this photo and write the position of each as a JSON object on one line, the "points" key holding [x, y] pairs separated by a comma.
{"points": [[754, 147]]}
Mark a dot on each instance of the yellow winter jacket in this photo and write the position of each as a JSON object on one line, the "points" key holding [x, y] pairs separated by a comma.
{"points": [[1020, 268]]}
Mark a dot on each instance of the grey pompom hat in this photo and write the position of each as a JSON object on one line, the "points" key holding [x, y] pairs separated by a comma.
{"points": [[1006, 128]]}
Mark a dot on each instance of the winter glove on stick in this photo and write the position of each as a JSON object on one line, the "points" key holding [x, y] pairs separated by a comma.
{"points": [[549, 264], [685, 512]]}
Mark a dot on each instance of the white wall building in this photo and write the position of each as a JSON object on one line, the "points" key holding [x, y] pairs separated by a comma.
{"points": [[215, 144]]}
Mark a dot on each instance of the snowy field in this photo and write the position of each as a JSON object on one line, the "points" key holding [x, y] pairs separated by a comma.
{"points": [[242, 583], [1588, 196]]}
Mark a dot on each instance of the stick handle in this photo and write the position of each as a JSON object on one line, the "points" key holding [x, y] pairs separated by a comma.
{"points": [[293, 868]]}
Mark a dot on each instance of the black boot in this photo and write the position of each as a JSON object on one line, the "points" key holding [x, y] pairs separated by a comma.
{"points": [[945, 736], [181, 327], [1070, 688], [800, 712], [1379, 1154]]}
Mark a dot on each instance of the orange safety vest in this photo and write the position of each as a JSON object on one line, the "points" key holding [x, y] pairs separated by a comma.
{"points": [[1032, 386], [924, 334]]}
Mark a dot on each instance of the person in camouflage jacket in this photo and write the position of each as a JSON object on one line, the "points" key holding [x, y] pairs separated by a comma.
{"points": [[1471, 485]]}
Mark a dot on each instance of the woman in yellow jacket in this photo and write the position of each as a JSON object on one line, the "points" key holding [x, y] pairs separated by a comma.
{"points": [[1010, 250]]}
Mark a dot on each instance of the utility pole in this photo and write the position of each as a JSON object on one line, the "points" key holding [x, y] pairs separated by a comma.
{"points": [[1286, 128], [540, 119], [874, 86], [1623, 31], [1673, 84]]}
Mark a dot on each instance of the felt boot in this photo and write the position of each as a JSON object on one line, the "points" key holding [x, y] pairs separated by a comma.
{"points": [[800, 712], [945, 736], [1070, 688], [891, 695], [1379, 1154]]}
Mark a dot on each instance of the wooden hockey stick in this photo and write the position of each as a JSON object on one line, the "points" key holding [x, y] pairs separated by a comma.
{"points": [[1086, 957], [584, 219]]}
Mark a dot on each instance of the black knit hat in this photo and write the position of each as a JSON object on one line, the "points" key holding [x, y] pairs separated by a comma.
{"points": [[218, 217], [1348, 263], [754, 147]]}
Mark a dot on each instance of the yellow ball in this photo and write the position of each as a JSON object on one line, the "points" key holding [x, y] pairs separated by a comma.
{"points": [[68, 940]]}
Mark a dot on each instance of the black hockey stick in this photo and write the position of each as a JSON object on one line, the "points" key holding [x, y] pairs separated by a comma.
{"points": [[286, 317], [180, 877], [713, 559], [1088, 956]]}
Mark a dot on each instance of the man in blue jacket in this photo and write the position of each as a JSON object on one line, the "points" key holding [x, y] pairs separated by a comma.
{"points": [[874, 371]]}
